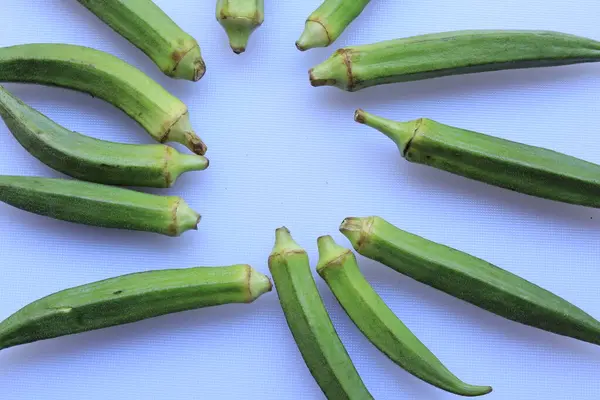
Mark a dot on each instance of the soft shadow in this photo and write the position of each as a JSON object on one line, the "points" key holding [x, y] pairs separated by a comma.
{"points": [[491, 324], [454, 86], [516, 202], [159, 328]]}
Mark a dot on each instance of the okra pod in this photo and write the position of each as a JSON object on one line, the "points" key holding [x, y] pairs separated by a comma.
{"points": [[240, 18], [106, 77], [337, 266], [90, 159], [148, 28], [98, 205], [309, 322], [522, 168], [328, 22], [469, 278], [450, 53], [130, 298]]}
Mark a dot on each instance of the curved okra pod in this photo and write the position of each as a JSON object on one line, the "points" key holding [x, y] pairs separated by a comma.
{"points": [[107, 77], [307, 318], [98, 205], [328, 22], [499, 162], [450, 53], [130, 298], [469, 278], [90, 159], [337, 266], [240, 18], [148, 28]]}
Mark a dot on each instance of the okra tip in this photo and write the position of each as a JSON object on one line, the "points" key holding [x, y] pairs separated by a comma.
{"points": [[258, 284], [314, 35], [191, 66], [400, 133], [182, 132], [329, 252], [355, 229], [284, 241], [185, 218]]}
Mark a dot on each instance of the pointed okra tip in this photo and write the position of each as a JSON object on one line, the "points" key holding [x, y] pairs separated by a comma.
{"points": [[258, 284], [284, 242], [330, 252], [400, 133], [314, 35]]}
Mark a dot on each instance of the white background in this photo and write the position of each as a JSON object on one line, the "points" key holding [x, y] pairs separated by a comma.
{"points": [[284, 153]]}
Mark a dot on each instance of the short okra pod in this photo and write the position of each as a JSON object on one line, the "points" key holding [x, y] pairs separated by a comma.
{"points": [[522, 168], [98, 205], [328, 22], [130, 298], [308, 320], [90, 159], [450, 53], [469, 278], [337, 266], [240, 18]]}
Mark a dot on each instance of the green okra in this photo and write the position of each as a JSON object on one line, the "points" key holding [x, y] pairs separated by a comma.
{"points": [[130, 298], [107, 77], [240, 18], [328, 22], [450, 53], [522, 168], [90, 159], [98, 205], [308, 320], [469, 278], [148, 28], [337, 266]]}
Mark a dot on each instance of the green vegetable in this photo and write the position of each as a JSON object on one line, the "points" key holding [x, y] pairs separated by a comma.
{"points": [[307, 318], [240, 18], [337, 266], [107, 77], [469, 278], [98, 205], [91, 159], [328, 22], [148, 28], [510, 165], [450, 53], [130, 298]]}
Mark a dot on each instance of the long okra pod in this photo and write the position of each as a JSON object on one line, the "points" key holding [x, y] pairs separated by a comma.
{"points": [[469, 278], [98, 205], [307, 318], [130, 298], [510, 165], [328, 22], [90, 159], [337, 266], [450, 53]]}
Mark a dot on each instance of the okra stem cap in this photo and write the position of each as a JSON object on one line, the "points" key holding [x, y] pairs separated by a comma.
{"points": [[400, 133], [314, 35], [258, 284], [191, 66]]}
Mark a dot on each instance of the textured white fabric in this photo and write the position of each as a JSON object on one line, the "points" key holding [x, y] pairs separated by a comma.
{"points": [[284, 153]]}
